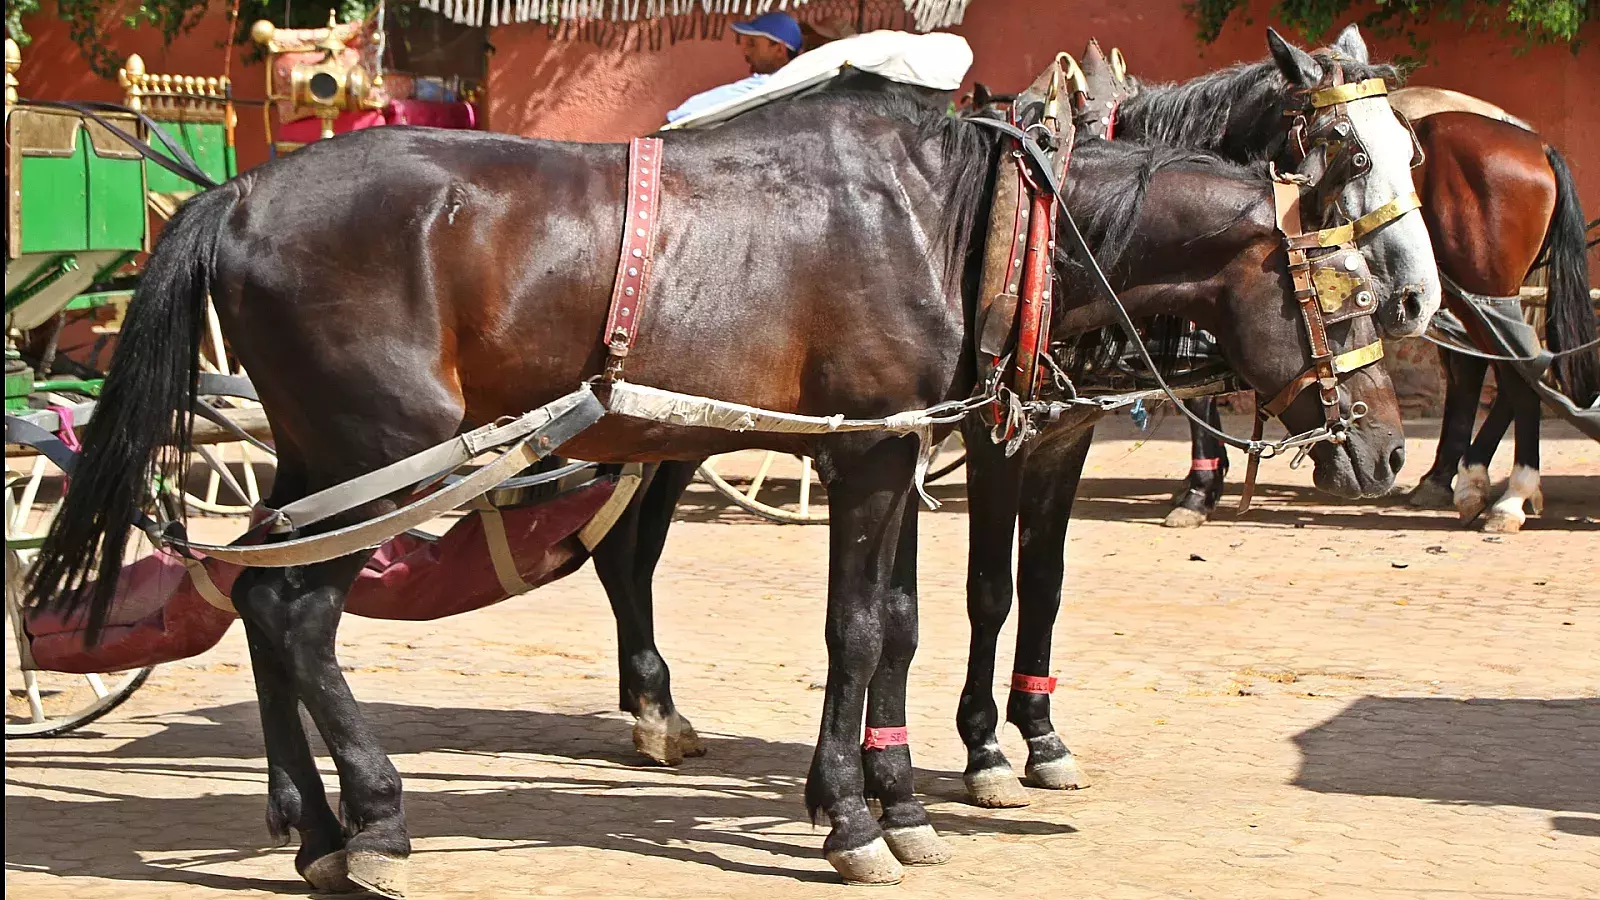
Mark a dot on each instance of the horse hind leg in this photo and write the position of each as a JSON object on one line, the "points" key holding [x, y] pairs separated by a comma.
{"points": [[1471, 494], [1508, 514], [295, 796], [993, 489], [625, 562], [868, 489], [1193, 504], [1464, 385], [1048, 491], [291, 617], [888, 772]]}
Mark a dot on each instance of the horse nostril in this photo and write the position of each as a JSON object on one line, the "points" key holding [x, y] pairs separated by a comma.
{"points": [[1397, 459], [1413, 306]]}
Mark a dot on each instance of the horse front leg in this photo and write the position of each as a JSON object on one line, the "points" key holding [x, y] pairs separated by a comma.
{"points": [[867, 497], [1049, 486], [1522, 489], [626, 562], [296, 615], [885, 761], [993, 486], [1193, 504], [1463, 387]]}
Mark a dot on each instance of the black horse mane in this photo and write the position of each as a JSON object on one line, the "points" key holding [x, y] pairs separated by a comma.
{"points": [[1227, 111], [1108, 205]]}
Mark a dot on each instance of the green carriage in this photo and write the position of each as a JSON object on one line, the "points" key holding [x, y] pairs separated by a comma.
{"points": [[82, 207]]}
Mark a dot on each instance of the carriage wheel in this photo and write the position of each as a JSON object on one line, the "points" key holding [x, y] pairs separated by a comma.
{"points": [[232, 486], [762, 493], [40, 703]]}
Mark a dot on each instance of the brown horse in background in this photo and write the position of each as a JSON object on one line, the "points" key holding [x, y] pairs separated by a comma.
{"points": [[1497, 199]]}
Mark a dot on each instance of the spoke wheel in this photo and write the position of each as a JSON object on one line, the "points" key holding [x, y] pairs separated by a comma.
{"points": [[40, 703], [783, 487], [232, 484]]}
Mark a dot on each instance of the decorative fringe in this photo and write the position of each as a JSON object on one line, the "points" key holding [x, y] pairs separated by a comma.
{"points": [[923, 15]]}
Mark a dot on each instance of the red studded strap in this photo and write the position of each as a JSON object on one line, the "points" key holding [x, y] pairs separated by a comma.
{"points": [[638, 241]]}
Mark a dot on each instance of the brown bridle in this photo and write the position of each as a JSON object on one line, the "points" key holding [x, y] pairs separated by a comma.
{"points": [[1331, 280]]}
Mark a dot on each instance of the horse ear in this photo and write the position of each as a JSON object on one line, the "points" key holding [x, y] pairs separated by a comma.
{"points": [[980, 95], [1297, 66], [1352, 44]]}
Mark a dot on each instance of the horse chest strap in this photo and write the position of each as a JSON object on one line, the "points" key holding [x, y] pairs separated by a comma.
{"points": [[638, 242]]}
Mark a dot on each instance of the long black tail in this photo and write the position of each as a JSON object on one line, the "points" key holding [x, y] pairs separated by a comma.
{"points": [[140, 429], [1571, 315]]}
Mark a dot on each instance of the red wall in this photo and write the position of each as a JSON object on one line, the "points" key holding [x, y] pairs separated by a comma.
{"points": [[580, 92]]}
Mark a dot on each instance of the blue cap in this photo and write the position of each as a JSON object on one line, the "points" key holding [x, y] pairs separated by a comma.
{"points": [[779, 26]]}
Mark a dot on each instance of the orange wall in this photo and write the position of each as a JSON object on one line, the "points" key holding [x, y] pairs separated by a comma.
{"points": [[577, 91]]}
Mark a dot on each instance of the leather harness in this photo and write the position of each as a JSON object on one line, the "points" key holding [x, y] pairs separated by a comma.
{"points": [[638, 243], [1015, 302], [1330, 276]]}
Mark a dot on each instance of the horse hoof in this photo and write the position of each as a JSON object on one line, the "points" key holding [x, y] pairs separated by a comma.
{"points": [[330, 874], [870, 865], [1430, 495], [918, 845], [1060, 774], [1499, 521], [1471, 495], [664, 744], [1184, 517], [379, 873], [995, 789]]}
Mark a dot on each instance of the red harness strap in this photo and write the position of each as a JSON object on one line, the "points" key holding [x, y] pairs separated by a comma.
{"points": [[1033, 684], [638, 242], [884, 738]]}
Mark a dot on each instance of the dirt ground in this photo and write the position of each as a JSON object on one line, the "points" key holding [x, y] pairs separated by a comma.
{"points": [[1326, 699]]}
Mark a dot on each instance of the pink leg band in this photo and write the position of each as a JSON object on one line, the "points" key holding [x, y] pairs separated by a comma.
{"points": [[884, 738], [1205, 465], [1033, 684]]}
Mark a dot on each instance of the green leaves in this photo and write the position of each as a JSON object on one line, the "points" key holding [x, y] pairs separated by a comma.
{"points": [[1526, 22], [93, 23]]}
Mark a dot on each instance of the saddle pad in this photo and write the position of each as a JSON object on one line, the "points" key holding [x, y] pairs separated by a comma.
{"points": [[938, 61], [1420, 102]]}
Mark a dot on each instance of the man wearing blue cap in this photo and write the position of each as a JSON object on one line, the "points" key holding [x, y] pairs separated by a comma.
{"points": [[770, 42]]}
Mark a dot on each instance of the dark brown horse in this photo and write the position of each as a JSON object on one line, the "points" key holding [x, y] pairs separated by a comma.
{"points": [[1183, 258], [389, 288], [1496, 198]]}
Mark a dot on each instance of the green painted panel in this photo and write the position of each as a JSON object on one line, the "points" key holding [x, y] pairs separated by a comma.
{"points": [[55, 202], [205, 142], [116, 203]]}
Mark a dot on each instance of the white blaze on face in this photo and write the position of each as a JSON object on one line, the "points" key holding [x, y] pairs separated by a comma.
{"points": [[1400, 252]]}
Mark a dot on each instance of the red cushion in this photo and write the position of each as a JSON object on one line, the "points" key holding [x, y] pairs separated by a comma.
{"points": [[304, 131], [432, 113]]}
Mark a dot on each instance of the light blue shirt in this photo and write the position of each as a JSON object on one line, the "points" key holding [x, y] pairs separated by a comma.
{"points": [[717, 95]]}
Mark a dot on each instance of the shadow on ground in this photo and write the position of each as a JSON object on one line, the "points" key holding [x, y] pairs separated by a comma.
{"points": [[1540, 754], [1570, 501], [726, 801]]}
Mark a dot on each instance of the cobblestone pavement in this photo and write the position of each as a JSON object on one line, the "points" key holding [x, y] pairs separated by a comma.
{"points": [[1328, 699]]}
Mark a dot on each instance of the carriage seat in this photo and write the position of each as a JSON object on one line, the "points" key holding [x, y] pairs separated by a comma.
{"points": [[937, 60]]}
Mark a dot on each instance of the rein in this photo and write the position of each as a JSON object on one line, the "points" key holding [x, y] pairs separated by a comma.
{"points": [[1256, 447]]}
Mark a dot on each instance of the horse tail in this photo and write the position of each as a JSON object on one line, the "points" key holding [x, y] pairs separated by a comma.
{"points": [[138, 437], [1571, 315]]}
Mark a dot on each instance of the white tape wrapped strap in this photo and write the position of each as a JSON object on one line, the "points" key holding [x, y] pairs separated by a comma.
{"points": [[672, 408]]}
